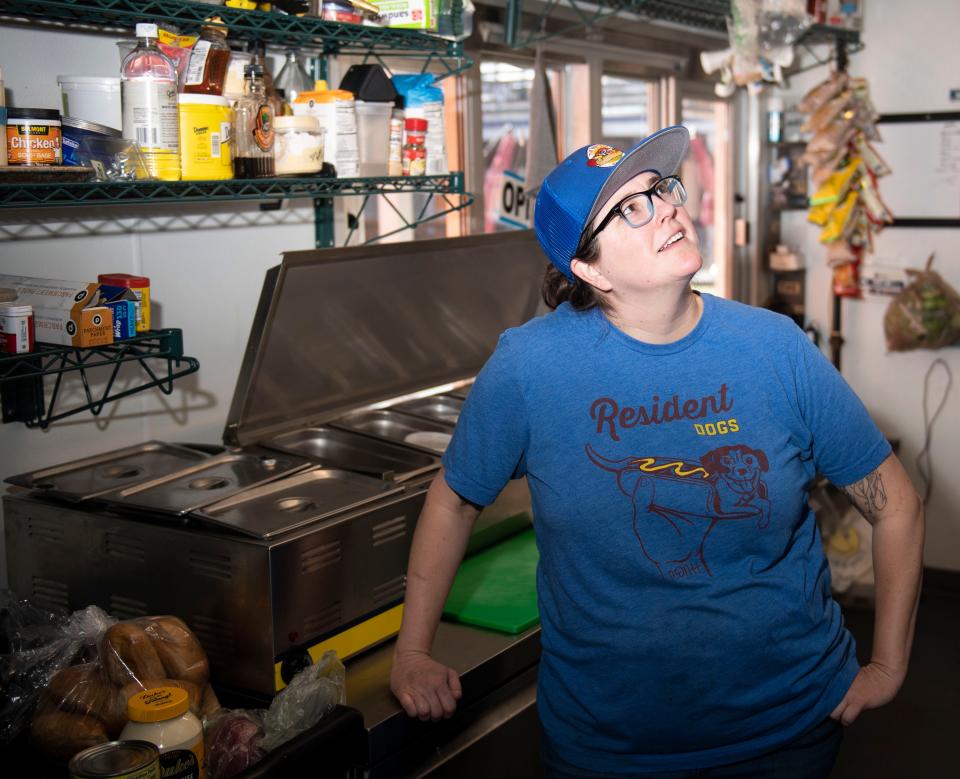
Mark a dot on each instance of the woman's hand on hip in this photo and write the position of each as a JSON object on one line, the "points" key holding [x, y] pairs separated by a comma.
{"points": [[425, 688], [874, 685]]}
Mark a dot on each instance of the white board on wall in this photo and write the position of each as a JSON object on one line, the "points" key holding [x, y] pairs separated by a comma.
{"points": [[924, 156]]}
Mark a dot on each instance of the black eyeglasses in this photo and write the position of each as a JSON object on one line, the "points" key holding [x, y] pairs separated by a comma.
{"points": [[637, 209]]}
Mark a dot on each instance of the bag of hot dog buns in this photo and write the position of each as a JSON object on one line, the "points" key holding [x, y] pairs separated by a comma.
{"points": [[86, 704]]}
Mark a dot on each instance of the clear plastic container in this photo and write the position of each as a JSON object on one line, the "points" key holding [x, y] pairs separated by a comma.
{"points": [[149, 96], [299, 145], [373, 134], [207, 69]]}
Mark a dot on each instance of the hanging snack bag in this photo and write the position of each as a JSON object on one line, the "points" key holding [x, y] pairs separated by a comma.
{"points": [[822, 93], [839, 219], [926, 315]]}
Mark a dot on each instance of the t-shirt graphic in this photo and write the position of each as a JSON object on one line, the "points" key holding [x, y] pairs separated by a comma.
{"points": [[678, 501]]}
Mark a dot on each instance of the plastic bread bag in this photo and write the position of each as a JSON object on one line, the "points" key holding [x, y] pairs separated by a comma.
{"points": [[926, 315], [822, 93], [232, 742], [87, 704], [35, 645], [312, 694]]}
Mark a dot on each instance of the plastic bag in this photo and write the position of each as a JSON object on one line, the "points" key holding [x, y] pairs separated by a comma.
{"points": [[86, 704], [311, 694], [232, 742], [36, 645], [235, 739], [926, 315]]}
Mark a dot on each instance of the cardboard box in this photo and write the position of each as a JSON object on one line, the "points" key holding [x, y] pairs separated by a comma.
{"points": [[408, 14], [122, 301], [64, 312]]}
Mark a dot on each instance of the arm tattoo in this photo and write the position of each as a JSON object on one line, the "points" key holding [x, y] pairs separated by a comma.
{"points": [[868, 494]]}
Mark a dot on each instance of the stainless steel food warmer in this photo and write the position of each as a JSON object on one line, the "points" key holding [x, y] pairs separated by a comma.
{"points": [[296, 537]]}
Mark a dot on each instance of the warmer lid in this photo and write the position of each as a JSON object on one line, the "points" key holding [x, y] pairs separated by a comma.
{"points": [[339, 329]]}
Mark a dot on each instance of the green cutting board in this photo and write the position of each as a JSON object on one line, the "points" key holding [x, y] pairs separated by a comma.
{"points": [[497, 588]]}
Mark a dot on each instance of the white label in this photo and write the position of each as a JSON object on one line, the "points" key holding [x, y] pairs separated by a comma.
{"points": [[150, 114], [215, 145], [198, 60]]}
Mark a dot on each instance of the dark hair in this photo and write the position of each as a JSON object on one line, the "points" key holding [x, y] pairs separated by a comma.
{"points": [[557, 288]]}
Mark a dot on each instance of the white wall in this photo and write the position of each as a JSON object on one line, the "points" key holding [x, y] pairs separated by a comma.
{"points": [[205, 280], [912, 60]]}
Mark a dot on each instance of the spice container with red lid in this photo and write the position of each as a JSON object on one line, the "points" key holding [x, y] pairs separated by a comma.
{"points": [[140, 285], [415, 150]]}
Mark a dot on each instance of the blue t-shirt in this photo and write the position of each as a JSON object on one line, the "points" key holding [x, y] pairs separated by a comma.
{"points": [[685, 601]]}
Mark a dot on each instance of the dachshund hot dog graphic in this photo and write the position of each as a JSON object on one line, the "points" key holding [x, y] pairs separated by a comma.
{"points": [[677, 501]]}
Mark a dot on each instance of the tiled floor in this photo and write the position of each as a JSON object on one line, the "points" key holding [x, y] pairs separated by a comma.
{"points": [[918, 734]]}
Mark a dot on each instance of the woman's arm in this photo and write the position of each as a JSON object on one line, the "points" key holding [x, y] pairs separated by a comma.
{"points": [[425, 688], [888, 501]]}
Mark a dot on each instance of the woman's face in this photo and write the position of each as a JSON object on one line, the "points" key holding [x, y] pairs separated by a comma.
{"points": [[643, 258]]}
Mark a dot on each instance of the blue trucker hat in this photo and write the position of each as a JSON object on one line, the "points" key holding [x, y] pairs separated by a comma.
{"points": [[574, 191]]}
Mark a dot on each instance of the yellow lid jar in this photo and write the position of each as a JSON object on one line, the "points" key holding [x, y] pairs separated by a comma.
{"points": [[162, 716]]}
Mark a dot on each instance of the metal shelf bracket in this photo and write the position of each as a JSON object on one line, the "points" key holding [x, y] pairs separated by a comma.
{"points": [[159, 354]]}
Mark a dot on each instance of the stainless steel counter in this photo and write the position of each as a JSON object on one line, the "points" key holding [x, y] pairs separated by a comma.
{"points": [[498, 674]]}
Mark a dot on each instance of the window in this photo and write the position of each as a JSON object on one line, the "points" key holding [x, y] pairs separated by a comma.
{"points": [[706, 175], [625, 110]]}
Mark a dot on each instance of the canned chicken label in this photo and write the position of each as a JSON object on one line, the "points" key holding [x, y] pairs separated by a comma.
{"points": [[33, 143]]}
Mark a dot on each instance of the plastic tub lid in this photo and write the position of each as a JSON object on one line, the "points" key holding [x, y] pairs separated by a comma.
{"points": [[146, 30], [192, 99], [302, 122], [15, 309], [91, 81], [374, 107], [33, 113], [123, 280], [91, 127]]}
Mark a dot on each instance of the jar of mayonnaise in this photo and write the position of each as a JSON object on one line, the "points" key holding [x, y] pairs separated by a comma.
{"points": [[162, 716]]}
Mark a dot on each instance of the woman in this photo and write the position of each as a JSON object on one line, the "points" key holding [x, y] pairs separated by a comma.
{"points": [[667, 437]]}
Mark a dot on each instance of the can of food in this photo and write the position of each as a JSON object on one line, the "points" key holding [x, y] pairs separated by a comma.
{"points": [[117, 760], [205, 144], [16, 328], [33, 136], [75, 130], [140, 286]]}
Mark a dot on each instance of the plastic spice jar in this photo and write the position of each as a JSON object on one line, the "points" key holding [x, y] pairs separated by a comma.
{"points": [[162, 716], [299, 144], [414, 150], [140, 285], [34, 136], [16, 328]]}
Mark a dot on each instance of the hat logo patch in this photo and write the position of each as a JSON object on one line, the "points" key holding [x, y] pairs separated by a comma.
{"points": [[602, 156]]}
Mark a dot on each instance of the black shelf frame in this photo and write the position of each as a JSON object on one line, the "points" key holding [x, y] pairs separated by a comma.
{"points": [[96, 193], [159, 354], [269, 27]]}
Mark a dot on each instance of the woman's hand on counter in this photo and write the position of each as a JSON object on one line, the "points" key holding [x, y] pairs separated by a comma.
{"points": [[425, 688]]}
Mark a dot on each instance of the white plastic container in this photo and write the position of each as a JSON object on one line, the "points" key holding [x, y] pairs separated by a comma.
{"points": [[92, 98], [16, 328], [299, 145], [373, 135], [162, 716]]}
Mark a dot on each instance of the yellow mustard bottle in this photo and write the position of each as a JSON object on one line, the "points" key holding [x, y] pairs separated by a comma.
{"points": [[162, 716]]}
